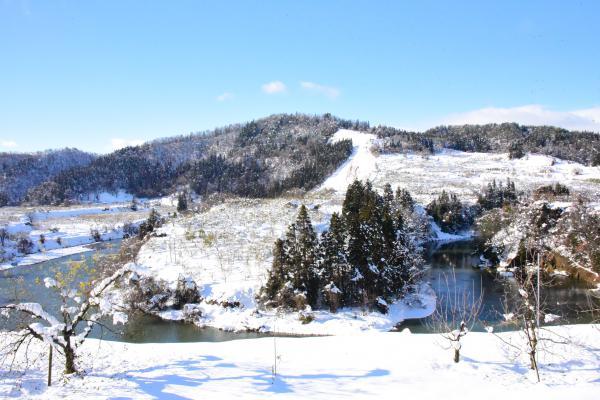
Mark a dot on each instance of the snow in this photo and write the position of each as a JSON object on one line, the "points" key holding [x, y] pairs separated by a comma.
{"points": [[548, 318], [43, 215], [58, 232], [119, 318], [360, 165], [36, 258], [120, 196], [441, 236], [226, 250], [374, 365], [425, 176]]}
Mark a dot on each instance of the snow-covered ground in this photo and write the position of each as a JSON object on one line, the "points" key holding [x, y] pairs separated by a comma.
{"points": [[362, 163], [376, 365], [56, 232], [425, 176], [227, 252], [227, 249]]}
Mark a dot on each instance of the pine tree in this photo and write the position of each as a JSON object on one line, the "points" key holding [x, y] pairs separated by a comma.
{"points": [[334, 270], [278, 274], [182, 204], [307, 245]]}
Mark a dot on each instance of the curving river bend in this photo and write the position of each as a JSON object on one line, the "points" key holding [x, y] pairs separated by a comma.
{"points": [[450, 270]]}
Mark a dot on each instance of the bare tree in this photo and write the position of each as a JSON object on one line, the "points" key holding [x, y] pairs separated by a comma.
{"points": [[456, 312], [81, 310]]}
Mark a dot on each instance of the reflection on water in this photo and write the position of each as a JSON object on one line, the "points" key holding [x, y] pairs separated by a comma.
{"points": [[451, 272], [151, 329], [23, 284]]}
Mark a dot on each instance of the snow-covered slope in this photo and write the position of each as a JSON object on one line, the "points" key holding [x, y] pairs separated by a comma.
{"points": [[57, 232], [227, 252], [425, 176], [362, 163]]}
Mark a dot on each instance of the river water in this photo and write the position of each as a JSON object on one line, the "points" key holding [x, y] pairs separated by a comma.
{"points": [[450, 271]]}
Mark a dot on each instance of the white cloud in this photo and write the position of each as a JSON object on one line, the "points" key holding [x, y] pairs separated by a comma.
{"points": [[533, 114], [225, 96], [274, 87], [328, 91], [118, 143], [9, 144]]}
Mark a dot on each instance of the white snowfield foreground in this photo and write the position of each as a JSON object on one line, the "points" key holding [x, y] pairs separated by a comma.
{"points": [[377, 366]]}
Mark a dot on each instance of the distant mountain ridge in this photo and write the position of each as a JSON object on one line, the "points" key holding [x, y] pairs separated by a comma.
{"points": [[21, 171], [260, 158]]}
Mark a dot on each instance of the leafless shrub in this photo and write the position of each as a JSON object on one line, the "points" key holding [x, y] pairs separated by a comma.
{"points": [[456, 313]]}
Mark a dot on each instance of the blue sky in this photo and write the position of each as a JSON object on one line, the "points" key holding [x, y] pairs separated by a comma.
{"points": [[100, 74]]}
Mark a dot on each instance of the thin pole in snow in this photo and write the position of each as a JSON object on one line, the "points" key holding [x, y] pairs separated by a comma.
{"points": [[538, 290], [50, 367]]}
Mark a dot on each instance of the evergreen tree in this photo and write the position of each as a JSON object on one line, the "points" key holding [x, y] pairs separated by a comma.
{"points": [[334, 270], [448, 212], [278, 275], [367, 257], [306, 249], [182, 204]]}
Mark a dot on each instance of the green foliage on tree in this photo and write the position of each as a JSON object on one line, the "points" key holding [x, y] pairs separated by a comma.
{"points": [[365, 258], [498, 195], [449, 213], [153, 222], [182, 204]]}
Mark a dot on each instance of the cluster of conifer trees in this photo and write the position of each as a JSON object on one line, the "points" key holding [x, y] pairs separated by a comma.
{"points": [[450, 213], [261, 158], [366, 257], [496, 195]]}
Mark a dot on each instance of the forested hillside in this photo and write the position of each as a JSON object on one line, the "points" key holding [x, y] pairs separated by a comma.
{"points": [[582, 147], [260, 158], [20, 172]]}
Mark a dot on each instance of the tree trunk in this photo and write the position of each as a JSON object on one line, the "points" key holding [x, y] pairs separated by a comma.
{"points": [[456, 355], [69, 360]]}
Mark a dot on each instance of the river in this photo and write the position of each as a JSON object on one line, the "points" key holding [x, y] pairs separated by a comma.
{"points": [[450, 270]]}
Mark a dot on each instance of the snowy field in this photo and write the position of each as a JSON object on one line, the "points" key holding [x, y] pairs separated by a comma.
{"points": [[60, 231], [425, 176], [227, 251], [378, 365]]}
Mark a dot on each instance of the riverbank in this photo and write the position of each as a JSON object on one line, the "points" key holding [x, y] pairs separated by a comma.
{"points": [[323, 368]]}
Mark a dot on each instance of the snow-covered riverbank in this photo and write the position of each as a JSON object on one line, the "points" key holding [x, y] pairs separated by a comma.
{"points": [[375, 365], [38, 235]]}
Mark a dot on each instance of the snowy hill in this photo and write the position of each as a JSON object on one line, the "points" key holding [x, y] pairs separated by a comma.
{"points": [[464, 173]]}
